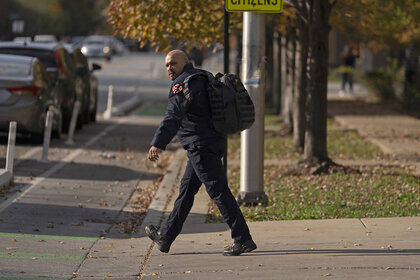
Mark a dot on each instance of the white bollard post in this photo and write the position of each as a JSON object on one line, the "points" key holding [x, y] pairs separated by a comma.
{"points": [[47, 136], [108, 112], [72, 127], [11, 147]]}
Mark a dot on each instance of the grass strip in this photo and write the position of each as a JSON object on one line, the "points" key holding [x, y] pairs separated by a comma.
{"points": [[152, 109], [376, 192], [341, 144]]}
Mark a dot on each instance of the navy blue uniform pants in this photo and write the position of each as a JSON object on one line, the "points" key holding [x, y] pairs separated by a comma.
{"points": [[205, 167]]}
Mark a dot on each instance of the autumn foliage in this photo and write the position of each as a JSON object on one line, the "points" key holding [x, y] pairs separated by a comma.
{"points": [[163, 23], [376, 23]]}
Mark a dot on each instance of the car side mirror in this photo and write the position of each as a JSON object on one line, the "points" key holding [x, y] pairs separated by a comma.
{"points": [[96, 67]]}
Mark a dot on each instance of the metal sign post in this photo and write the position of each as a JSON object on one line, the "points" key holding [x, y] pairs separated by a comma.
{"points": [[253, 76], [252, 139]]}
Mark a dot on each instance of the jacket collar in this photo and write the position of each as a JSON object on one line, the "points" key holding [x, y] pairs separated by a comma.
{"points": [[188, 69]]}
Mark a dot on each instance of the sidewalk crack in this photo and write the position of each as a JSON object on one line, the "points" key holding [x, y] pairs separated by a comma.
{"points": [[363, 223], [162, 217]]}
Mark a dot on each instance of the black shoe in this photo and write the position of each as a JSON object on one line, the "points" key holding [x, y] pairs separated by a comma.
{"points": [[236, 248], [154, 234]]}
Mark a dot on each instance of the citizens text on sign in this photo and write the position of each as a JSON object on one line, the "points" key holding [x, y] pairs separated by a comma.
{"points": [[257, 6]]}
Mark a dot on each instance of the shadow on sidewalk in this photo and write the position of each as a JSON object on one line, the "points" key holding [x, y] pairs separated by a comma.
{"points": [[54, 219], [335, 252], [86, 171]]}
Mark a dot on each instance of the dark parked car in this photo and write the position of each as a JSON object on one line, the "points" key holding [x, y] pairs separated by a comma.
{"points": [[60, 67], [86, 83], [26, 95]]}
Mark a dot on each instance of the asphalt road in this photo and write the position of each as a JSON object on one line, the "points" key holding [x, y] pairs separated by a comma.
{"points": [[141, 74]]}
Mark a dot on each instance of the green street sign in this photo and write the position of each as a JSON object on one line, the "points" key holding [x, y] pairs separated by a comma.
{"points": [[256, 6]]}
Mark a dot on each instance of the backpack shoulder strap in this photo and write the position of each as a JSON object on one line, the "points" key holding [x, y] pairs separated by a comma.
{"points": [[187, 91]]}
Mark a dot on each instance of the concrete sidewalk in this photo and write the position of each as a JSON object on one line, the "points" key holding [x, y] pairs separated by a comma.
{"points": [[314, 249], [382, 248]]}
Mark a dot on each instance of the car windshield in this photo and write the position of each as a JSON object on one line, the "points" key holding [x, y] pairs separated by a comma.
{"points": [[14, 69], [47, 57]]}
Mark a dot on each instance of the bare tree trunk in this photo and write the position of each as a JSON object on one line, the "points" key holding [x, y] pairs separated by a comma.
{"points": [[287, 97], [277, 73], [283, 67], [269, 77], [316, 128], [300, 97]]}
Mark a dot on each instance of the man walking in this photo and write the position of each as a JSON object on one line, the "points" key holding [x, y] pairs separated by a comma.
{"points": [[188, 117]]}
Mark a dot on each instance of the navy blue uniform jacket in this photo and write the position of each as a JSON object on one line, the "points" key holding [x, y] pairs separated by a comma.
{"points": [[188, 119]]}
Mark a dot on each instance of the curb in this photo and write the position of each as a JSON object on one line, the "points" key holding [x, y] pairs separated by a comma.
{"points": [[156, 209], [6, 178]]}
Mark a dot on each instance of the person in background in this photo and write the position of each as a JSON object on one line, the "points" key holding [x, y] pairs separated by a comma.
{"points": [[348, 62]]}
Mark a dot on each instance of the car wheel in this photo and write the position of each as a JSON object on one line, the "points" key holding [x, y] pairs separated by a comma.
{"points": [[86, 117], [38, 138], [80, 121], [92, 114], [58, 132], [65, 122]]}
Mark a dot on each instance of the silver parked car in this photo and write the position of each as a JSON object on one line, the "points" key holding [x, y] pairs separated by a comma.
{"points": [[98, 46], [26, 95], [59, 66]]}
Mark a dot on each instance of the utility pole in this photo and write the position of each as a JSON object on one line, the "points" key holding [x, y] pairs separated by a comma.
{"points": [[252, 140]]}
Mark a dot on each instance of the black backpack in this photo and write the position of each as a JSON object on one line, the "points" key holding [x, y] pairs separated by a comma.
{"points": [[231, 106]]}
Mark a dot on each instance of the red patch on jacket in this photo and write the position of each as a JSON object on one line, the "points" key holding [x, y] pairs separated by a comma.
{"points": [[176, 88]]}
